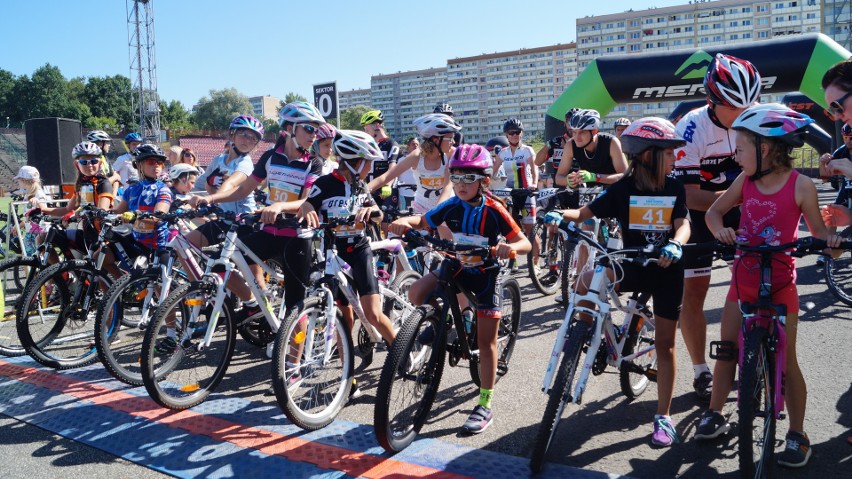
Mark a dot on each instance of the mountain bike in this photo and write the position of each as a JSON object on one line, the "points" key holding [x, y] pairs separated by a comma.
{"points": [[838, 273], [545, 271], [628, 347], [413, 368]]}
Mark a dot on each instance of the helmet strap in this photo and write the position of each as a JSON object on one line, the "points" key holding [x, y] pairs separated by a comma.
{"points": [[236, 150], [758, 159]]}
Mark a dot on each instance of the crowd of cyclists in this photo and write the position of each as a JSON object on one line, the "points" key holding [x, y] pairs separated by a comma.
{"points": [[723, 173]]}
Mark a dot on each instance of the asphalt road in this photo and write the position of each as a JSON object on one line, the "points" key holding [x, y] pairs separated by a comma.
{"points": [[608, 433]]}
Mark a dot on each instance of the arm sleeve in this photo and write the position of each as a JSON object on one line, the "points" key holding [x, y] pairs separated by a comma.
{"points": [[687, 167], [436, 215], [314, 173], [314, 196], [259, 171], [507, 225]]}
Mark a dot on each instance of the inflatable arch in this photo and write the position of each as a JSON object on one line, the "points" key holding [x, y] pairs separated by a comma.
{"points": [[795, 63]]}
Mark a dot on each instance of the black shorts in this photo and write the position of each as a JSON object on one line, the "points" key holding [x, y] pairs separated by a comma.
{"points": [[483, 285], [363, 271], [664, 284], [696, 265], [295, 256]]}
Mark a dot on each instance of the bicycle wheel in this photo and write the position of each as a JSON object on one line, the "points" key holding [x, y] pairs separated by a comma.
{"points": [[507, 332], [177, 370], [310, 388], [15, 274], [55, 317], [568, 270], [394, 309], [544, 273], [120, 324], [257, 331], [640, 335], [409, 380], [560, 394], [755, 406]]}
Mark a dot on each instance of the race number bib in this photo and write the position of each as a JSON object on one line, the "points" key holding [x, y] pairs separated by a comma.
{"points": [[651, 213], [283, 192], [145, 226], [87, 195], [470, 260], [432, 182], [345, 231]]}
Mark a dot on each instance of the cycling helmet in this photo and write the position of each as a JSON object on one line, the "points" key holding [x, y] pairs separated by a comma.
{"points": [[444, 108], [497, 141], [650, 132], [299, 112], [846, 130], [472, 156], [86, 148], [371, 117], [622, 122], [356, 145], [179, 169], [435, 124], [326, 130], [248, 122], [513, 124], [131, 137], [585, 120], [148, 151], [570, 113], [774, 120], [98, 135], [732, 82]]}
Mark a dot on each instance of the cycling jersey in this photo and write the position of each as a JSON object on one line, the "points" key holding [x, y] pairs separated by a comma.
{"points": [[220, 170], [332, 196], [518, 166], [707, 159], [430, 184], [124, 167], [286, 179], [844, 195], [555, 149], [90, 189], [482, 224], [600, 162], [144, 196], [390, 152]]}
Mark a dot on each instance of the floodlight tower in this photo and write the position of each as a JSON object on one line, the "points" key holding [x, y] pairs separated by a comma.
{"points": [[143, 69]]}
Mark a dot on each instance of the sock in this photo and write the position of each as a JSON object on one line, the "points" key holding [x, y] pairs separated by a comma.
{"points": [[252, 303], [662, 416], [485, 396], [700, 368]]}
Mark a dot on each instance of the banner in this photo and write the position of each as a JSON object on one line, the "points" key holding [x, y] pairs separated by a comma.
{"points": [[325, 99]]}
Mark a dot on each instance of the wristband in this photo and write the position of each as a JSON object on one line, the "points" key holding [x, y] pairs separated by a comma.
{"points": [[674, 241]]}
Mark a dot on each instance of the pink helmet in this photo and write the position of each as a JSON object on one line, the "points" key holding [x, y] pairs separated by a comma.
{"points": [[326, 130], [472, 156], [649, 132]]}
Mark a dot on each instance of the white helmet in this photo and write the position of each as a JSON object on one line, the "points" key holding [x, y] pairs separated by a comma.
{"points": [[86, 148], [180, 169], [435, 124], [356, 145], [299, 112]]}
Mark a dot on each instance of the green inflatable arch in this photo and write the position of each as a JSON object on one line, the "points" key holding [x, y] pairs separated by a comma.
{"points": [[795, 63]]}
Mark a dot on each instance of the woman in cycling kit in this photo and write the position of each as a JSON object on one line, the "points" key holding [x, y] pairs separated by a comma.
{"points": [[474, 217], [651, 209], [774, 197]]}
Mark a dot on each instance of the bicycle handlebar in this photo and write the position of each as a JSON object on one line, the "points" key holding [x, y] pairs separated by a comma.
{"points": [[448, 246]]}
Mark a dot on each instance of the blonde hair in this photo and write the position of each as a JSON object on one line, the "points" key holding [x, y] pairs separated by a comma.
{"points": [[427, 146], [32, 186]]}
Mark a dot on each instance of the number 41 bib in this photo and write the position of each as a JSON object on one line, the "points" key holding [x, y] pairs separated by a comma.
{"points": [[651, 213]]}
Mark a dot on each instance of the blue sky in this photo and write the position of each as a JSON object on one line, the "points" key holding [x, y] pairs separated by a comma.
{"points": [[271, 47]]}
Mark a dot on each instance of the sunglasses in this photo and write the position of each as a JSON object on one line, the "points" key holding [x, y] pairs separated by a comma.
{"points": [[837, 105], [513, 132], [466, 179], [188, 155], [89, 162], [153, 161], [248, 135], [309, 129]]}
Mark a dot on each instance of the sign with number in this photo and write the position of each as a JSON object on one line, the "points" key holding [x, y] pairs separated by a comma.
{"points": [[651, 213], [325, 99]]}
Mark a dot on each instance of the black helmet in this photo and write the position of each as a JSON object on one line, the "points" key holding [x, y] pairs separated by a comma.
{"points": [[513, 124], [444, 108], [143, 152], [497, 143], [846, 130], [570, 113]]}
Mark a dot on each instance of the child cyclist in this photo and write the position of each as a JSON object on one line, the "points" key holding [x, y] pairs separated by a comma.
{"points": [[774, 197], [473, 216], [651, 208]]}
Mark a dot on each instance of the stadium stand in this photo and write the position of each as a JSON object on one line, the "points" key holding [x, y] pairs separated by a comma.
{"points": [[208, 148], [13, 155]]}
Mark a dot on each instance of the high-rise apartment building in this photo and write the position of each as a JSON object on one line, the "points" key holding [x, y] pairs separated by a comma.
{"points": [[404, 96], [693, 25], [348, 99], [837, 21], [265, 107]]}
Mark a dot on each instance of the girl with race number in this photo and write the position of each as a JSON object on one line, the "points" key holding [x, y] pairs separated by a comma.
{"points": [[651, 209], [474, 217], [774, 197]]}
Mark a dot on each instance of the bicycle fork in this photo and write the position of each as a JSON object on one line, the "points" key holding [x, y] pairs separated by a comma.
{"points": [[776, 343]]}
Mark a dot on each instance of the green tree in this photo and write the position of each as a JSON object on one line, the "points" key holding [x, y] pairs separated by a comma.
{"points": [[174, 115], [271, 127], [350, 118], [291, 97], [217, 110], [7, 102], [48, 94], [109, 97], [101, 123]]}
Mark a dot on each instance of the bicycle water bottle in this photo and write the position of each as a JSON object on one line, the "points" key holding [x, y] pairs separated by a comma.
{"points": [[413, 261], [467, 317]]}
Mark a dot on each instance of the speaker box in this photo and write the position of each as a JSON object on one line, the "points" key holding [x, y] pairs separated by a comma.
{"points": [[49, 145]]}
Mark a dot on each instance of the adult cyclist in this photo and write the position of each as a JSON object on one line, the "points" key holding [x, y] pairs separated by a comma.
{"points": [[706, 167], [373, 123], [124, 164], [550, 155], [521, 173], [621, 124]]}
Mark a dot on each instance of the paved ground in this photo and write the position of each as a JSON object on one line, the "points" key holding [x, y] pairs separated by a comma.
{"points": [[607, 434]]}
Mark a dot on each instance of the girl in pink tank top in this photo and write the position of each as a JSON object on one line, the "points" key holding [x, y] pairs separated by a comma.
{"points": [[774, 197]]}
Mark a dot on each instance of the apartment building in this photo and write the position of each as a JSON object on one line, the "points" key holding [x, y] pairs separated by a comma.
{"points": [[693, 25], [405, 96], [485, 90], [837, 21], [348, 99], [265, 107]]}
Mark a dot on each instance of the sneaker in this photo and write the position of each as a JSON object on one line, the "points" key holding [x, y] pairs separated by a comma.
{"points": [[712, 425], [664, 432], [479, 420], [165, 346], [703, 385], [270, 347], [355, 392], [797, 452], [248, 313]]}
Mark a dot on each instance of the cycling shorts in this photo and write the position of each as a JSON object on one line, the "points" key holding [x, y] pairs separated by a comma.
{"points": [[483, 285], [215, 231], [360, 259], [697, 265], [664, 284], [523, 206], [295, 256]]}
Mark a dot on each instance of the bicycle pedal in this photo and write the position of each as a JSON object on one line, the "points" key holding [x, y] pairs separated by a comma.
{"points": [[651, 374]]}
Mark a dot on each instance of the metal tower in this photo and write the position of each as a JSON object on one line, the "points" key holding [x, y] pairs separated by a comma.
{"points": [[143, 69]]}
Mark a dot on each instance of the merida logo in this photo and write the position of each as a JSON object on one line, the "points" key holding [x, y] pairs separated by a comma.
{"points": [[695, 66]]}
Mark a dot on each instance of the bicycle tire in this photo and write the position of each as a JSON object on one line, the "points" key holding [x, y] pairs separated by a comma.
{"points": [[755, 407], [405, 394], [507, 333], [258, 332], [67, 339], [15, 274], [558, 395], [120, 326], [181, 378], [545, 278], [400, 285], [312, 394], [640, 333]]}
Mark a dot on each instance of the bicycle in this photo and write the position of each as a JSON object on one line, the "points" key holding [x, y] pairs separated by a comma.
{"points": [[762, 358], [545, 272], [55, 316], [628, 347], [838, 273], [313, 355], [412, 370]]}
